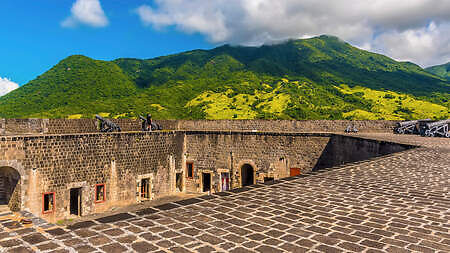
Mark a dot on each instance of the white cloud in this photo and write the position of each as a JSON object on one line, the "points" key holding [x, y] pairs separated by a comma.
{"points": [[425, 46], [254, 22], [88, 12], [6, 86]]}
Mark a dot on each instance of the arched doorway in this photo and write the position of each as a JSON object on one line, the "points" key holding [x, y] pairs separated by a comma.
{"points": [[9, 187], [247, 175]]}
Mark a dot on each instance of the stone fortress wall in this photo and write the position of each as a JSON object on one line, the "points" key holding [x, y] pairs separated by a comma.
{"points": [[57, 163], [71, 126], [305, 126], [271, 155]]}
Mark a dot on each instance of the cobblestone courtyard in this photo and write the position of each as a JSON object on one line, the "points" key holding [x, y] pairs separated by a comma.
{"points": [[396, 203]]}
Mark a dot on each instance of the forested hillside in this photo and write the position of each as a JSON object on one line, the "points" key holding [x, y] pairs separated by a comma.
{"points": [[318, 78], [440, 70]]}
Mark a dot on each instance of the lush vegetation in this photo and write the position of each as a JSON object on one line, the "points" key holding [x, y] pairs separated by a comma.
{"points": [[440, 70], [318, 78]]}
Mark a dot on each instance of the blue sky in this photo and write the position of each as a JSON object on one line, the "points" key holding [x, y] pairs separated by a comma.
{"points": [[34, 39], [37, 34]]}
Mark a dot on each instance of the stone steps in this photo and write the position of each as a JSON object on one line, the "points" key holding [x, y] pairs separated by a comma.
{"points": [[2, 189]]}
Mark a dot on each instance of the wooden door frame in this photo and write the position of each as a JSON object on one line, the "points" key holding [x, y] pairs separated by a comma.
{"points": [[220, 171]]}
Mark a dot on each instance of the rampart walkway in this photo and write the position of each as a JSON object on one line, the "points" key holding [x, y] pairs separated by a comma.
{"points": [[396, 203]]}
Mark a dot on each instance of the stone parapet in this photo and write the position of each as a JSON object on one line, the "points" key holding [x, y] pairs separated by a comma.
{"points": [[66, 126], [288, 125]]}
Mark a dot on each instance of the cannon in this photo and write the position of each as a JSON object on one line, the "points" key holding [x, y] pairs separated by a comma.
{"points": [[410, 127], [438, 128], [148, 124], [106, 125], [144, 123], [351, 129]]}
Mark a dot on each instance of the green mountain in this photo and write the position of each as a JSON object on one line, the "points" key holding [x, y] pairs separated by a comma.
{"points": [[440, 70], [318, 78]]}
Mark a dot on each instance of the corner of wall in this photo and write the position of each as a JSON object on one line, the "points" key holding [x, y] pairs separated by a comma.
{"points": [[2, 126], [44, 125]]}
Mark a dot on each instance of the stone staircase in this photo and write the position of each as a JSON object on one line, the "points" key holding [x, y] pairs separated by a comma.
{"points": [[4, 209], [2, 190]]}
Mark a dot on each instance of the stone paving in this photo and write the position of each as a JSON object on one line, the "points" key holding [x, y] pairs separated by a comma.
{"points": [[437, 143], [396, 203]]}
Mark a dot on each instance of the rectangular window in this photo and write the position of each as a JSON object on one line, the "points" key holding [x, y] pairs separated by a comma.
{"points": [[190, 170], [100, 193], [48, 202]]}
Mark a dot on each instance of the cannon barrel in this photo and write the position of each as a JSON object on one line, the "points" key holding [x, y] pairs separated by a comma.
{"points": [[107, 125], [142, 118], [437, 123], [107, 121], [407, 123], [411, 122], [99, 118]]}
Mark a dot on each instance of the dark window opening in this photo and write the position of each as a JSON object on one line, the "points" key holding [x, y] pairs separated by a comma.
{"points": [[100, 194], [190, 170], [48, 202], [145, 188]]}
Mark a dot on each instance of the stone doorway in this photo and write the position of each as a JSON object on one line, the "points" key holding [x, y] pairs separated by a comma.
{"points": [[247, 175], [9, 181], [75, 201], [206, 182]]}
